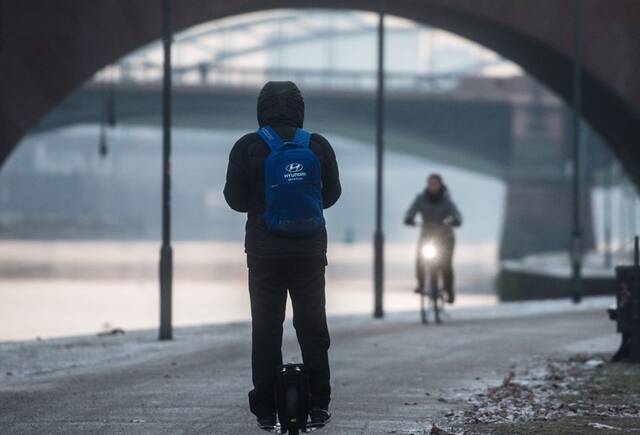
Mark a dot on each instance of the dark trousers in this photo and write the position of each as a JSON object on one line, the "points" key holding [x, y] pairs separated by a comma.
{"points": [[269, 280], [443, 265]]}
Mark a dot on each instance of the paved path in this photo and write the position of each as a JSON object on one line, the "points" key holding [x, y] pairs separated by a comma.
{"points": [[392, 376]]}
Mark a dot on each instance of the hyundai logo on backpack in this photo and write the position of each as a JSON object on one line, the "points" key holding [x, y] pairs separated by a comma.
{"points": [[294, 167]]}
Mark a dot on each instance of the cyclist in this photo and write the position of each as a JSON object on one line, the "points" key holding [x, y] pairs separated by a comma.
{"points": [[439, 216]]}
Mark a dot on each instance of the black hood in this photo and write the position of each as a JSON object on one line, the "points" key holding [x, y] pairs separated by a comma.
{"points": [[280, 104]]}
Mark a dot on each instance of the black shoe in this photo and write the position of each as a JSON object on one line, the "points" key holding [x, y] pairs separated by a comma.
{"points": [[451, 296], [318, 417], [419, 290], [269, 424]]}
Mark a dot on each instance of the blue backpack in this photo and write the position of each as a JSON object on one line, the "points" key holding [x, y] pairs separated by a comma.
{"points": [[292, 185]]}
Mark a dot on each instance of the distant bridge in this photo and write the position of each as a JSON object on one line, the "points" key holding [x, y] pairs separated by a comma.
{"points": [[484, 125], [521, 140], [424, 116], [76, 39]]}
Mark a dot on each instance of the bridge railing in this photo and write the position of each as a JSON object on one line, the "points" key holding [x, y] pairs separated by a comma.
{"points": [[203, 75]]}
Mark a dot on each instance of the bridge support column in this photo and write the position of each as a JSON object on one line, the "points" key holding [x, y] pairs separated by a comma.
{"points": [[539, 205], [538, 218]]}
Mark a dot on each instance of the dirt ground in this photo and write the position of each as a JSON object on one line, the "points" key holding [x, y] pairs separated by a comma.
{"points": [[585, 394]]}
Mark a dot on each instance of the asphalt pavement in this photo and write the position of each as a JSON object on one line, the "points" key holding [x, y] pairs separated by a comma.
{"points": [[389, 376]]}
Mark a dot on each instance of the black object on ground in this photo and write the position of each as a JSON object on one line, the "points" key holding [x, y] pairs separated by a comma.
{"points": [[112, 331], [627, 310], [292, 398]]}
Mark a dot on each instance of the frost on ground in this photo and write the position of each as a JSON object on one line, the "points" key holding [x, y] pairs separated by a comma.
{"points": [[584, 394], [35, 359]]}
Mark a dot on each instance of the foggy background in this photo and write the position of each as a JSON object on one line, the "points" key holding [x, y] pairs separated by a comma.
{"points": [[80, 230]]}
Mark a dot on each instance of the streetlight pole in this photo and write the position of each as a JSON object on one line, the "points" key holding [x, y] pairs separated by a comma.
{"points": [[607, 212], [378, 238], [576, 233], [166, 253]]}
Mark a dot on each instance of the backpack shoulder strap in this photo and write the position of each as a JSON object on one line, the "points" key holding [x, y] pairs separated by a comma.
{"points": [[269, 135], [302, 137]]}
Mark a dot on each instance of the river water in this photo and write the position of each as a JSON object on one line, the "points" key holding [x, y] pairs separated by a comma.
{"points": [[51, 289]]}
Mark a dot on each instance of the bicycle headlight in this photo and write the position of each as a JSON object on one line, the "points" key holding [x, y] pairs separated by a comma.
{"points": [[429, 251]]}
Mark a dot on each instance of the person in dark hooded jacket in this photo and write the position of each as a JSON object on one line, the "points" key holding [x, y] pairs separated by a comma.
{"points": [[277, 264], [439, 215]]}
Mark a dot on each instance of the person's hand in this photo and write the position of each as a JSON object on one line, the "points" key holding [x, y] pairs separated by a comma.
{"points": [[450, 221], [409, 222]]}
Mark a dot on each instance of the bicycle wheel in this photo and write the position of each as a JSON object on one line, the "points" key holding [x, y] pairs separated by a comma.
{"points": [[292, 410], [435, 300]]}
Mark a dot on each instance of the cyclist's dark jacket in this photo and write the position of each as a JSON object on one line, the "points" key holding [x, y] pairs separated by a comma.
{"points": [[280, 105], [434, 209]]}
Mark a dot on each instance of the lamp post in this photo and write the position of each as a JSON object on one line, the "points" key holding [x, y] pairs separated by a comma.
{"points": [[378, 238], [166, 253], [576, 232], [609, 174]]}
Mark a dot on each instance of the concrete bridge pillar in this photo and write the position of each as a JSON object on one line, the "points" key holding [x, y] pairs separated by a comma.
{"points": [[538, 218], [539, 196]]}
